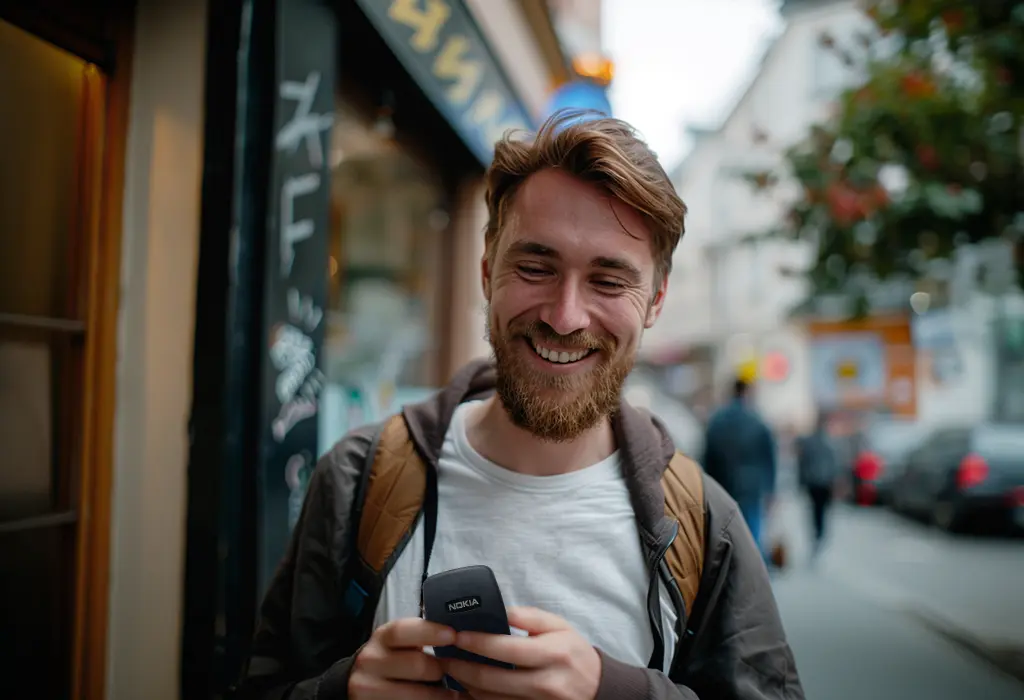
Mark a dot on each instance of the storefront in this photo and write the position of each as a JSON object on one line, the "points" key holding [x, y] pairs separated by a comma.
{"points": [[357, 135]]}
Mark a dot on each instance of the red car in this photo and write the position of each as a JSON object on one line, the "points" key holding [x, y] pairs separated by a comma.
{"points": [[882, 458]]}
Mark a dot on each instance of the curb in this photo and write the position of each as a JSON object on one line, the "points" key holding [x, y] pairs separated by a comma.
{"points": [[1007, 658]]}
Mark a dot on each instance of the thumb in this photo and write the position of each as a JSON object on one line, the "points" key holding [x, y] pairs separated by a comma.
{"points": [[536, 621]]}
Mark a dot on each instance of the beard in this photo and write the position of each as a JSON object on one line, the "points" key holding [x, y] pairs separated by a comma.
{"points": [[555, 407]]}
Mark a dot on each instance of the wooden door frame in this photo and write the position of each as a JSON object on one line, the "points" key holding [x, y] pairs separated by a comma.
{"points": [[103, 39], [104, 212]]}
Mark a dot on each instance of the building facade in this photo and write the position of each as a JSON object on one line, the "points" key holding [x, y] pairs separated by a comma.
{"points": [[242, 229], [731, 297], [730, 308]]}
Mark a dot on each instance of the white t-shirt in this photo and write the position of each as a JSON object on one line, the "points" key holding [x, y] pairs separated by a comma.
{"points": [[568, 544]]}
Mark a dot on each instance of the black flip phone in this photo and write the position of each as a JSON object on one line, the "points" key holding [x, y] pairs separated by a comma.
{"points": [[467, 600]]}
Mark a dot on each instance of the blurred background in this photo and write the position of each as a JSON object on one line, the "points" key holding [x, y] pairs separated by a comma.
{"points": [[231, 231]]}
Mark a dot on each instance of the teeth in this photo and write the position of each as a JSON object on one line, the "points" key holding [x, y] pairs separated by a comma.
{"points": [[560, 357]]}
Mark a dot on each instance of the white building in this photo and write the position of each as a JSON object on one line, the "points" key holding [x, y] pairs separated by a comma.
{"points": [[734, 295]]}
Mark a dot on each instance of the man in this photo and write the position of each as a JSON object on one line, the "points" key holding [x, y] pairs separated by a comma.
{"points": [[543, 474], [739, 453], [818, 469]]}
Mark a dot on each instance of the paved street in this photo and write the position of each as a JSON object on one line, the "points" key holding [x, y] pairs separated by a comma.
{"points": [[892, 609]]}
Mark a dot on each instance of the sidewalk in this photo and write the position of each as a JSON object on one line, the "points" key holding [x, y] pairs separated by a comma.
{"points": [[968, 591]]}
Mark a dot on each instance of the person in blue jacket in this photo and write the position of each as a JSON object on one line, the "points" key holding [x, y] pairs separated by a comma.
{"points": [[739, 453]]}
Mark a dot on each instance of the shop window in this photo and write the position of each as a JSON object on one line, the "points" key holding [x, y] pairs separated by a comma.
{"points": [[389, 220], [47, 122]]}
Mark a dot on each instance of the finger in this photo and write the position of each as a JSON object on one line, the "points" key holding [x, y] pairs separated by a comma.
{"points": [[481, 679], [365, 687], [414, 633], [536, 621], [523, 652], [401, 665]]}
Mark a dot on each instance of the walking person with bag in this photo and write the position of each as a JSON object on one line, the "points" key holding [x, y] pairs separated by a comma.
{"points": [[630, 571]]}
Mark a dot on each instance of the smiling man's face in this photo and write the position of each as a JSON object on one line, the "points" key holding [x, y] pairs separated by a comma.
{"points": [[570, 290]]}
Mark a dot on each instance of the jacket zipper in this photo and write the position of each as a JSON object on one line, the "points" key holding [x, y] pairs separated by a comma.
{"points": [[654, 607]]}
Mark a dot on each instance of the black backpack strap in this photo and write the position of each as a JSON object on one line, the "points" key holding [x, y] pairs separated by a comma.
{"points": [[429, 525]]}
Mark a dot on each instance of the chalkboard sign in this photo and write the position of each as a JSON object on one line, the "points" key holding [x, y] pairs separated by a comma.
{"points": [[296, 266]]}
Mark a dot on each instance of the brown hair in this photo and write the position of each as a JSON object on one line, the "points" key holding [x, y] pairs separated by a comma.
{"points": [[597, 149]]}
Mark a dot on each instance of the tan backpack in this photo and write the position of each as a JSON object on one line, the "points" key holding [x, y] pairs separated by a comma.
{"points": [[397, 484]]}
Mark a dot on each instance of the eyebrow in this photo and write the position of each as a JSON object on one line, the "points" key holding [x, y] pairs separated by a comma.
{"points": [[608, 263]]}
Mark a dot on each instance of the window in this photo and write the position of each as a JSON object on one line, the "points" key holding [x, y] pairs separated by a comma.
{"points": [[50, 135], [389, 219]]}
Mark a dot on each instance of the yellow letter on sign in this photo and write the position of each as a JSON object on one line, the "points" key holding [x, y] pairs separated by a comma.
{"points": [[427, 23], [486, 107], [452, 63]]}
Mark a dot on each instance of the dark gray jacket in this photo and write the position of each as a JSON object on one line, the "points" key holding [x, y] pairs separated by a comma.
{"points": [[732, 646]]}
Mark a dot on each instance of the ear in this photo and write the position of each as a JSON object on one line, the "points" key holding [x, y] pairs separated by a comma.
{"points": [[654, 310], [485, 277]]}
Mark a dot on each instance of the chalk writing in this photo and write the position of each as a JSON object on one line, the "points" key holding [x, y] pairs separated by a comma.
{"points": [[304, 42], [293, 356], [294, 412], [292, 231], [297, 473], [303, 404], [303, 311], [293, 352], [305, 125]]}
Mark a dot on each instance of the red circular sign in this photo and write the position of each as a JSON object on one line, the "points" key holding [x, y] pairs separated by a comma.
{"points": [[775, 366]]}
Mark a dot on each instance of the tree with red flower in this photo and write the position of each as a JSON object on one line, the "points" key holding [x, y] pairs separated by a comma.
{"points": [[932, 144]]}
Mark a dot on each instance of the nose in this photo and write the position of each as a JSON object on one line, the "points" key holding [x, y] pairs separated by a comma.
{"points": [[567, 311]]}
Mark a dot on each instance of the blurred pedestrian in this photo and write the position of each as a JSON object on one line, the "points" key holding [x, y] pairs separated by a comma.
{"points": [[818, 469], [739, 453]]}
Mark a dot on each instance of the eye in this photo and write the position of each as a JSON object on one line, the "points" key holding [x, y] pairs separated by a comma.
{"points": [[532, 271], [607, 285]]}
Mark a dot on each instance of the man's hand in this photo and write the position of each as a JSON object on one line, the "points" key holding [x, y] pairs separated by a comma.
{"points": [[392, 664], [554, 663]]}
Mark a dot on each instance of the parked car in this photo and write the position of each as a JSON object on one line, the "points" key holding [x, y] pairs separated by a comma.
{"points": [[960, 477], [882, 457]]}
